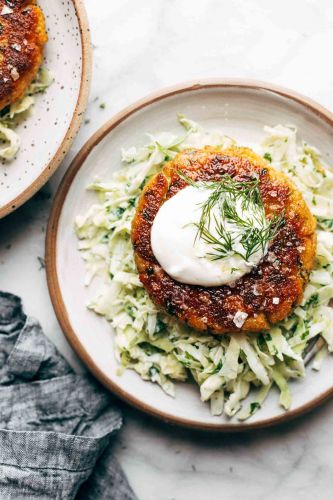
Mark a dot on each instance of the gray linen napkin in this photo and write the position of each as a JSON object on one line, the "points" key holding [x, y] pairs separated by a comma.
{"points": [[55, 426]]}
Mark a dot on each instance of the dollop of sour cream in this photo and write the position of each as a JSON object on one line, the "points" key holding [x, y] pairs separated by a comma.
{"points": [[184, 256]]}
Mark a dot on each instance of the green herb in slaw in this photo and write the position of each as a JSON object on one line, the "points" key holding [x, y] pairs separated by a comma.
{"points": [[11, 116], [226, 368]]}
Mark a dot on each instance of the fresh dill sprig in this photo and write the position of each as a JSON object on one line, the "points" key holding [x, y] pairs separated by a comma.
{"points": [[256, 239], [223, 245], [228, 195]]}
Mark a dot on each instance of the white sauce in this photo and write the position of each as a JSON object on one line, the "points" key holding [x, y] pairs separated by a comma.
{"points": [[183, 256]]}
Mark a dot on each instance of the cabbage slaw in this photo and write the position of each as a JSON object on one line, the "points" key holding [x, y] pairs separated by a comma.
{"points": [[156, 345], [10, 141]]}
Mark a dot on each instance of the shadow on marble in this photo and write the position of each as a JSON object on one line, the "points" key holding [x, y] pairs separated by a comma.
{"points": [[34, 213], [213, 439]]}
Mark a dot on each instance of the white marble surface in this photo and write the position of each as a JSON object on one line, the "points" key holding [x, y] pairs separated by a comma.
{"points": [[138, 47]]}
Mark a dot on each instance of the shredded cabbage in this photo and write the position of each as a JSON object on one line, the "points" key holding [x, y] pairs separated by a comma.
{"points": [[10, 117], [158, 347]]}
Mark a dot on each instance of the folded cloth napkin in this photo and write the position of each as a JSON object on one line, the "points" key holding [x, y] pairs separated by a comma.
{"points": [[55, 426]]}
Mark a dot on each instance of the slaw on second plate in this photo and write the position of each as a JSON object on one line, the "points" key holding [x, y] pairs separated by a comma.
{"points": [[10, 116]]}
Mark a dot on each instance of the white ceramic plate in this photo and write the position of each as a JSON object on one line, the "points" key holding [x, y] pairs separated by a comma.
{"points": [[49, 132], [240, 109]]}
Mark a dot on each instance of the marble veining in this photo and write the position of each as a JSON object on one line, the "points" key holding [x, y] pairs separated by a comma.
{"points": [[138, 47]]}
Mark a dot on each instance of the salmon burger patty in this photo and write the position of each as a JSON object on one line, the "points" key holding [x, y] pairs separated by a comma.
{"points": [[268, 293], [22, 38]]}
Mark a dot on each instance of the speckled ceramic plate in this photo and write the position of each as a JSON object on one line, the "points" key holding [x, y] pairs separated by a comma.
{"points": [[240, 109], [49, 131]]}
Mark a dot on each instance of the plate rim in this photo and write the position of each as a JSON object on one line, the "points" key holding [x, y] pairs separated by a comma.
{"points": [[76, 120], [51, 248]]}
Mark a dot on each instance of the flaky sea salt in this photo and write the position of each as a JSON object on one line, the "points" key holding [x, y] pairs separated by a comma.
{"points": [[239, 318]]}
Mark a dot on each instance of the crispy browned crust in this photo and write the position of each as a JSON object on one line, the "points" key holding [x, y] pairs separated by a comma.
{"points": [[22, 38], [283, 273]]}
